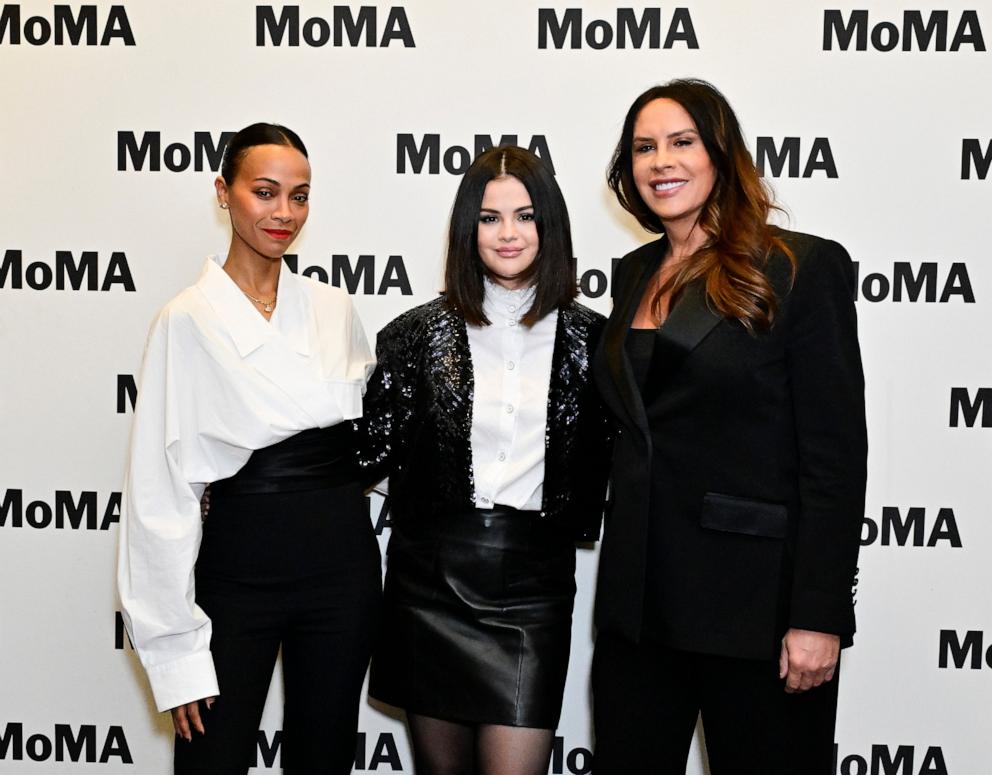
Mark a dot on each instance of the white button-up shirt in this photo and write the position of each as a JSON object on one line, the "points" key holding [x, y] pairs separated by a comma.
{"points": [[217, 382], [511, 364]]}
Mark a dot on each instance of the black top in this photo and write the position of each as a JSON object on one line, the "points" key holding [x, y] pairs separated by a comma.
{"points": [[310, 460], [640, 350]]}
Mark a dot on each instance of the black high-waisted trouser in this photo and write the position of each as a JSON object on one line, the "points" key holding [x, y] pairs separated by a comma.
{"points": [[298, 570]]}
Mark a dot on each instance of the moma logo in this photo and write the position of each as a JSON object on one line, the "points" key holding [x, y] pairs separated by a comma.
{"points": [[370, 754], [914, 32], [574, 761], [382, 521], [67, 743], [786, 158], [929, 283], [455, 159], [959, 651], [66, 27], [120, 632], [886, 760], [82, 512], [974, 161], [127, 393], [567, 29], [67, 272], [593, 283], [346, 27], [911, 530], [359, 276], [965, 407], [205, 152]]}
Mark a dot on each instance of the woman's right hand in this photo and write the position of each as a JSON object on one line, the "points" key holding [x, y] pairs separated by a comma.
{"points": [[186, 718]]}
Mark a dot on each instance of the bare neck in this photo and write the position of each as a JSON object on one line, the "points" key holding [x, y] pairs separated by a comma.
{"points": [[252, 272], [684, 239]]}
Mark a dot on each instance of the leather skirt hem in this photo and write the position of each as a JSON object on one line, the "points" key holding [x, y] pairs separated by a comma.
{"points": [[478, 618]]}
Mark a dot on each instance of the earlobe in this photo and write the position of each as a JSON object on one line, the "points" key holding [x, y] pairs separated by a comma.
{"points": [[220, 186]]}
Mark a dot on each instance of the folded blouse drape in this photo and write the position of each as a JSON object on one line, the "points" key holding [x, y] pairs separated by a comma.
{"points": [[217, 382]]}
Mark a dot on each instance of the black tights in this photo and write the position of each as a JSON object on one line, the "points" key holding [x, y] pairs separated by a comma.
{"points": [[449, 748]]}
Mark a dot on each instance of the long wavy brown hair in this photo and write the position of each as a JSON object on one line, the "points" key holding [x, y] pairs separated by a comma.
{"points": [[739, 239]]}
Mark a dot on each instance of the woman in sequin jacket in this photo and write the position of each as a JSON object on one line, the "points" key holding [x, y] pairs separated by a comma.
{"points": [[483, 415]]}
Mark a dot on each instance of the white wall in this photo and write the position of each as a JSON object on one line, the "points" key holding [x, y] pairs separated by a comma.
{"points": [[896, 125]]}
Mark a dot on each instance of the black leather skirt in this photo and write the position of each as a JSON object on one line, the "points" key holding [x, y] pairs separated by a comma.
{"points": [[478, 619]]}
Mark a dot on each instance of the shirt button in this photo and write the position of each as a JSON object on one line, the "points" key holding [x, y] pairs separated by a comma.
{"points": [[511, 365], [511, 322], [501, 457], [485, 501], [512, 308], [509, 408]]}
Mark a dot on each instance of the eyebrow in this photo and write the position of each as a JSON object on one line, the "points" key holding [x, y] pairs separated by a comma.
{"points": [[670, 135], [519, 209], [277, 183]]}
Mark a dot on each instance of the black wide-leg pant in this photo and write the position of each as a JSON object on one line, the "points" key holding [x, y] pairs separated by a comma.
{"points": [[300, 571], [647, 697]]}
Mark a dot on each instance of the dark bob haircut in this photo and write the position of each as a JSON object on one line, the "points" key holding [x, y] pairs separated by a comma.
{"points": [[249, 137], [553, 270]]}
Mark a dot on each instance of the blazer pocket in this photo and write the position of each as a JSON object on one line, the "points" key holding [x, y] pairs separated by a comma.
{"points": [[732, 514]]}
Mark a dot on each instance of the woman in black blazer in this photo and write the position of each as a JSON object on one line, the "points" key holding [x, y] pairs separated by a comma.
{"points": [[731, 361], [483, 413]]}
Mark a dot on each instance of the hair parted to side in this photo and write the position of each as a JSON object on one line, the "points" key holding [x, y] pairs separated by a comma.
{"points": [[739, 239], [554, 268], [249, 137]]}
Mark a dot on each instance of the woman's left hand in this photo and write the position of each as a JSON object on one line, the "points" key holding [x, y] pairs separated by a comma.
{"points": [[808, 659]]}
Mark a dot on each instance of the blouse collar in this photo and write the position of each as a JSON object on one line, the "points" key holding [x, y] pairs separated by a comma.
{"points": [[503, 303], [247, 327]]}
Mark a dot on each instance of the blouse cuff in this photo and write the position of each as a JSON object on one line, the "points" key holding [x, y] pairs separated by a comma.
{"points": [[183, 680]]}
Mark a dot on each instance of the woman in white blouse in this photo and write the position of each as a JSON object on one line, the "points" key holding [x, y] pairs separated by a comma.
{"points": [[247, 379], [483, 415]]}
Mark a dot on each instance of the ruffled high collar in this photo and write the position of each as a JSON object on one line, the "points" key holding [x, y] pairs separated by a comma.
{"points": [[504, 303]]}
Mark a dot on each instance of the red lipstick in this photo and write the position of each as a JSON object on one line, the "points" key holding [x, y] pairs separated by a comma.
{"points": [[281, 234]]}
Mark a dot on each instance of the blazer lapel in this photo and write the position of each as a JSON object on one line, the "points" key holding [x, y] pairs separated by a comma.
{"points": [[690, 320]]}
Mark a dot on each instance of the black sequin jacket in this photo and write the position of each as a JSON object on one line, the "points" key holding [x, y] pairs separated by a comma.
{"points": [[417, 421]]}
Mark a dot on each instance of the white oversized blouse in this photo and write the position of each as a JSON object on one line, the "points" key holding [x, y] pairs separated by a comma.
{"points": [[217, 382]]}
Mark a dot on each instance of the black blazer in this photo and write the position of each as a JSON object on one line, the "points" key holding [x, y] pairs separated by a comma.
{"points": [[739, 476], [417, 420]]}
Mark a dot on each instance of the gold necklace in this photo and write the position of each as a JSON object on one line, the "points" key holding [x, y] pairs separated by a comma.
{"points": [[267, 306]]}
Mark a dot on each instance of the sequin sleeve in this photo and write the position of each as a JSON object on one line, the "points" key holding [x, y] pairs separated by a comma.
{"points": [[383, 428]]}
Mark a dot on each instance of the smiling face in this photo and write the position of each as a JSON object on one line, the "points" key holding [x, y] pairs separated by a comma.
{"points": [[672, 169], [507, 233], [268, 200]]}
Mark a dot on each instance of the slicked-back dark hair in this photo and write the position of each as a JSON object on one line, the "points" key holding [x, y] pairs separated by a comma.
{"points": [[249, 137], [553, 270]]}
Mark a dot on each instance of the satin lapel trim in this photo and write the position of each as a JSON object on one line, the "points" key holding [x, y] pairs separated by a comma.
{"points": [[616, 353], [690, 320]]}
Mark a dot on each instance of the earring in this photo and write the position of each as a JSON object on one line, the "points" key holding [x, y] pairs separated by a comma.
{"points": [[223, 205]]}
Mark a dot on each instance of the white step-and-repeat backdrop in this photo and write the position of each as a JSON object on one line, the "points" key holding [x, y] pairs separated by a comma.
{"points": [[872, 120]]}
